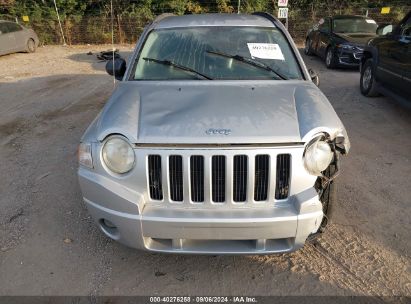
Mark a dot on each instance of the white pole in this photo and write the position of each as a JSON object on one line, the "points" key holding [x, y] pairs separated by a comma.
{"points": [[58, 18], [238, 7], [112, 40]]}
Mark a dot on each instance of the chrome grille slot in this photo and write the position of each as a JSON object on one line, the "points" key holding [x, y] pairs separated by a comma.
{"points": [[175, 171], [197, 178], [282, 185], [262, 163], [154, 177], [218, 178], [240, 174]]}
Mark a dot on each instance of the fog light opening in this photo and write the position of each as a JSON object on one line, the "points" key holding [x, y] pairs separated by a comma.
{"points": [[108, 224], [109, 228]]}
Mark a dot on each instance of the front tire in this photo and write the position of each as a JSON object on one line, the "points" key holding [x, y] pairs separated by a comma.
{"points": [[328, 199], [368, 84], [330, 58], [30, 46]]}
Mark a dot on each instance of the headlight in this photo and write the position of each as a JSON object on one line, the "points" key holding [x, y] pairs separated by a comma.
{"points": [[317, 156], [84, 155], [118, 155], [346, 46]]}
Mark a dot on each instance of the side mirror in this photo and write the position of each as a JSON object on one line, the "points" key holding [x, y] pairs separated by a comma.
{"points": [[384, 29], [314, 77], [118, 69]]}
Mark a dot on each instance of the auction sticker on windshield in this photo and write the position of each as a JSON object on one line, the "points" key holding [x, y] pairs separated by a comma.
{"points": [[265, 51]]}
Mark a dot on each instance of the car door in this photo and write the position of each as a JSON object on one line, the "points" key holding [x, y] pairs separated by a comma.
{"points": [[7, 43], [324, 37], [394, 59], [405, 57]]}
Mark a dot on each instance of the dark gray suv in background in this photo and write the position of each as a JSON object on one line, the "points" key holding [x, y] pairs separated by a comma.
{"points": [[386, 64]]}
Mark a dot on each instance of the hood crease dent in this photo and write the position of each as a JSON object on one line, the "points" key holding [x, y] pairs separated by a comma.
{"points": [[180, 112]]}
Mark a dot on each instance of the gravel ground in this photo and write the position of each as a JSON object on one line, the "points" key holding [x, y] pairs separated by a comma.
{"points": [[50, 246]]}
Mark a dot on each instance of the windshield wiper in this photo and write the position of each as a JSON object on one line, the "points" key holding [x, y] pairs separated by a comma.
{"points": [[249, 61], [176, 65]]}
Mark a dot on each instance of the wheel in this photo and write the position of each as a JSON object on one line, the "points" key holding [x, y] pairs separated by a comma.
{"points": [[307, 47], [330, 59], [31, 46], [368, 85], [328, 199]]}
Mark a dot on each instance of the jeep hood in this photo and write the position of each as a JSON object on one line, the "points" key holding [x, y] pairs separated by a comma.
{"points": [[255, 112]]}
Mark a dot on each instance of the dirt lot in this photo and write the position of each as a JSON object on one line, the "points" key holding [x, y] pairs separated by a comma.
{"points": [[50, 246]]}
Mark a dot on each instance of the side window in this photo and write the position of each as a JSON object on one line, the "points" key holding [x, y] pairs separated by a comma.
{"points": [[13, 27]]}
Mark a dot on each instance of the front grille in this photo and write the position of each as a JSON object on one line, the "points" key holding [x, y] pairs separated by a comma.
{"points": [[246, 177], [154, 177], [240, 176], [197, 178], [262, 163], [282, 185], [175, 169], [218, 179]]}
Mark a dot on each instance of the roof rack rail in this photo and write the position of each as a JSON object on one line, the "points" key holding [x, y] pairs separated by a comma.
{"points": [[163, 16], [267, 16], [274, 20]]}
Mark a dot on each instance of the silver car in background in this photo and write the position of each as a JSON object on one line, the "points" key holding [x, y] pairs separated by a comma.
{"points": [[16, 38], [216, 141]]}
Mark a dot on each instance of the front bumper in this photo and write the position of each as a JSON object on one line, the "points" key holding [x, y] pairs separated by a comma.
{"points": [[350, 58], [277, 229]]}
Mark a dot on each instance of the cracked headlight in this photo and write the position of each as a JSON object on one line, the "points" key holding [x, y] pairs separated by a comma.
{"points": [[118, 154], [317, 156]]}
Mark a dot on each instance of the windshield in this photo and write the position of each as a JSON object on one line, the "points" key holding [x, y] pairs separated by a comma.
{"points": [[354, 25], [221, 53]]}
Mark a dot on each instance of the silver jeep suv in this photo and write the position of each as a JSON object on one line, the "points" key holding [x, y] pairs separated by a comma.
{"points": [[216, 141]]}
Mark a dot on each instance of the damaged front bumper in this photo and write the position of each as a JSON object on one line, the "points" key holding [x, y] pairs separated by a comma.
{"points": [[283, 228]]}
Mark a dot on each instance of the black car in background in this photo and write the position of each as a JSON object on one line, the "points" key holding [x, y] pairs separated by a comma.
{"points": [[340, 40], [386, 63]]}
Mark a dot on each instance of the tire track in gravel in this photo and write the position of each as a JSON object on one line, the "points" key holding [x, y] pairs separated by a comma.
{"points": [[354, 263], [15, 136], [381, 266], [343, 256]]}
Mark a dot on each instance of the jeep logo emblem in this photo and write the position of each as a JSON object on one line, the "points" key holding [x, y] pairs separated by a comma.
{"points": [[218, 132]]}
